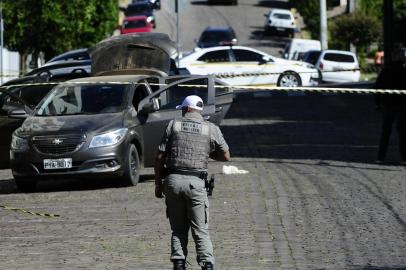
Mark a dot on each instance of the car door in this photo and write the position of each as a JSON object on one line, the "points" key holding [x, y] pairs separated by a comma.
{"points": [[21, 96], [259, 68], [165, 101], [340, 67], [213, 62]]}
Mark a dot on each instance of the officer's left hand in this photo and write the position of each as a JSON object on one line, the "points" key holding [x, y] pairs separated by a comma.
{"points": [[158, 192]]}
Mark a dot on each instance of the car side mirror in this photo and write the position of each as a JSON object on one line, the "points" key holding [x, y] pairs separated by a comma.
{"points": [[18, 114], [148, 108]]}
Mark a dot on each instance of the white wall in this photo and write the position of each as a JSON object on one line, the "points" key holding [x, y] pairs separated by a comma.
{"points": [[11, 66]]}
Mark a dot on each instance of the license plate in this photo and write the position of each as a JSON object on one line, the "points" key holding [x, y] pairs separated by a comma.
{"points": [[61, 163]]}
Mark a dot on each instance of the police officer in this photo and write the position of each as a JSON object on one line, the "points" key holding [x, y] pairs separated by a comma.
{"points": [[185, 149]]}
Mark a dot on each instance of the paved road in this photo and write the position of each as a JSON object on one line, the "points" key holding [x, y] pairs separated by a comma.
{"points": [[247, 19], [313, 200]]}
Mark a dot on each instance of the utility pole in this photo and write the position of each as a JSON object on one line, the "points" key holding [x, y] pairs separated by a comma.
{"points": [[351, 9], [323, 25], [177, 29]]}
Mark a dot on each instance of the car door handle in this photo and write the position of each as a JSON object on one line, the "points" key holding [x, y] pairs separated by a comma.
{"points": [[207, 117], [219, 109]]}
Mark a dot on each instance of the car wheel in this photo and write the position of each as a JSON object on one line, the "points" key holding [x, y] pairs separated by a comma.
{"points": [[25, 184], [132, 167], [235, 2], [289, 79]]}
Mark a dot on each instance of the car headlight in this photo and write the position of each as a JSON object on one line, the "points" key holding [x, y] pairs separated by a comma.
{"points": [[108, 139], [150, 19], [18, 143]]}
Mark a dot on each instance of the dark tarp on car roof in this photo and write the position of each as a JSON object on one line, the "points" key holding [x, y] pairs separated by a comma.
{"points": [[133, 52]]}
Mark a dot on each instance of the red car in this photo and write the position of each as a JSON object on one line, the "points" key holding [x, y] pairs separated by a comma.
{"points": [[136, 24]]}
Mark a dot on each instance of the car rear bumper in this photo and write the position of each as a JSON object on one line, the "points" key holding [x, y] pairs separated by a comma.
{"points": [[281, 28]]}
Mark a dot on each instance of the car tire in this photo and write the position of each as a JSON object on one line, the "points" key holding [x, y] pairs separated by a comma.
{"points": [[25, 184], [132, 168], [235, 2], [289, 79]]}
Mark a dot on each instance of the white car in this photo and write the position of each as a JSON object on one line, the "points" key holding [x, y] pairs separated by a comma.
{"points": [[335, 65], [280, 20], [239, 65]]}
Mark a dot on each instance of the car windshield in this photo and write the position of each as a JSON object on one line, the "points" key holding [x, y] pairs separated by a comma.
{"points": [[215, 36], [312, 57], [83, 99], [137, 9], [135, 24]]}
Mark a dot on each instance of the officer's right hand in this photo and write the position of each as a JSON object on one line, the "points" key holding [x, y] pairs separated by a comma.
{"points": [[158, 192]]}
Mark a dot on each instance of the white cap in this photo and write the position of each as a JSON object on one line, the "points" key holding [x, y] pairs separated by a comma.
{"points": [[194, 102]]}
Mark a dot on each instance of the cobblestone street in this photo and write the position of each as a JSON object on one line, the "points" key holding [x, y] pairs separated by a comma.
{"points": [[313, 199]]}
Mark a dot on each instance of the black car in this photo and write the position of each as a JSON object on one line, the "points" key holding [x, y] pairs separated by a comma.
{"points": [[217, 36], [141, 8], [73, 55]]}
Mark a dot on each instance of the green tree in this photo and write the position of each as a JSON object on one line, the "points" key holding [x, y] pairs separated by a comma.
{"points": [[357, 28], [310, 11], [55, 26]]}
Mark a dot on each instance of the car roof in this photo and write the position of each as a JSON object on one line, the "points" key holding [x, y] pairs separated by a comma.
{"points": [[219, 28], [68, 53], [227, 48], [59, 65], [339, 51], [279, 10]]}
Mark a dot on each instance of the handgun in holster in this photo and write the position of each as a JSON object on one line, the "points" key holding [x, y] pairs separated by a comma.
{"points": [[209, 184]]}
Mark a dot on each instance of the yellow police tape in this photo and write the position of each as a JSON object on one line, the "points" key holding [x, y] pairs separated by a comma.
{"points": [[237, 88], [28, 212]]}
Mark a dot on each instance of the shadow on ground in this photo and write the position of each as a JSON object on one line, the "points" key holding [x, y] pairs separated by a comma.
{"points": [[380, 268], [8, 186], [339, 127], [274, 4]]}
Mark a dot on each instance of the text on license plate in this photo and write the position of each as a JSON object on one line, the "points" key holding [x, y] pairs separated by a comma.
{"points": [[61, 163]]}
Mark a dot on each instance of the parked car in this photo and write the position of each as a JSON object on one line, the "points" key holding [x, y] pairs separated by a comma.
{"points": [[87, 127], [215, 2], [62, 67], [136, 24], [109, 125], [239, 65], [296, 48], [280, 20], [69, 56], [143, 9], [216, 36], [334, 65]]}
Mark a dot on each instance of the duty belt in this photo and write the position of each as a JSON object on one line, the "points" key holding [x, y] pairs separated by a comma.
{"points": [[201, 174]]}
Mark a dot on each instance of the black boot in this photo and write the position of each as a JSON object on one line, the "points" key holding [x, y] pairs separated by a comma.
{"points": [[207, 266], [179, 265]]}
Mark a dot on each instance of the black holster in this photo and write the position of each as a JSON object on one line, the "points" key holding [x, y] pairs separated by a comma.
{"points": [[209, 184]]}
